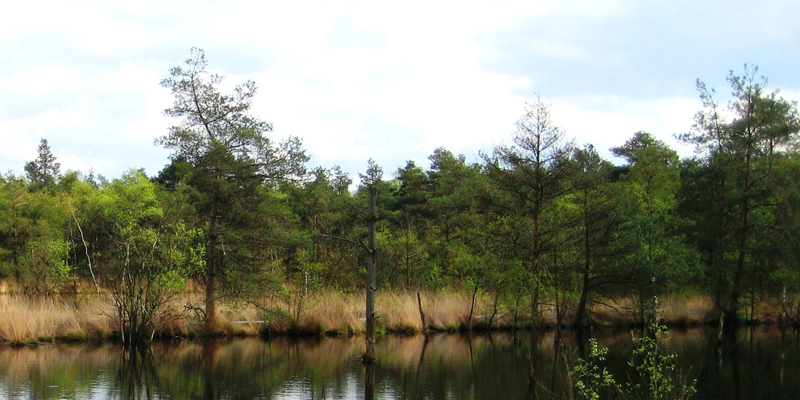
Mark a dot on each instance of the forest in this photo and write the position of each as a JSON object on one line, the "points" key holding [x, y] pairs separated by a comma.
{"points": [[541, 225]]}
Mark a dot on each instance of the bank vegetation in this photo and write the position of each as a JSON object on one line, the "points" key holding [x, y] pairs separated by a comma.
{"points": [[235, 235]]}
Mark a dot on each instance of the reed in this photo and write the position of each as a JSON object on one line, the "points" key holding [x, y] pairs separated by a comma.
{"points": [[335, 314], [26, 320], [685, 310]]}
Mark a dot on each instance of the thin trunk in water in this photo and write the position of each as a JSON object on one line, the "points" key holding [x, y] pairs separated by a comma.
{"points": [[422, 318], [369, 355]]}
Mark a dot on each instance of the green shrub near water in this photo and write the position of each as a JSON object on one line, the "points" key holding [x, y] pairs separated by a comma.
{"points": [[658, 378]]}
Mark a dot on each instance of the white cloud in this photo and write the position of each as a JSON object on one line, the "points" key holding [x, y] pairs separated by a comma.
{"points": [[354, 79], [609, 121], [44, 79]]}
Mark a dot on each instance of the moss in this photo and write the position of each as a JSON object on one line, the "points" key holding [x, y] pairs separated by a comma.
{"points": [[75, 335], [192, 333], [100, 333], [44, 339]]}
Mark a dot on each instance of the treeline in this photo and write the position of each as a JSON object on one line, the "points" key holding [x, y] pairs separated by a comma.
{"points": [[540, 222]]}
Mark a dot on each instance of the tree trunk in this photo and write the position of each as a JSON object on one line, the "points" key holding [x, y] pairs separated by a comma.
{"points": [[369, 355], [581, 312], [579, 316], [535, 305], [422, 319], [211, 260], [743, 236], [470, 325], [408, 254]]}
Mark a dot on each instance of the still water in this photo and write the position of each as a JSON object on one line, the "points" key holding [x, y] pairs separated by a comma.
{"points": [[749, 364]]}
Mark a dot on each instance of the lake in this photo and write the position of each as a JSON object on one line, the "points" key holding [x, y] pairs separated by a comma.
{"points": [[749, 364]]}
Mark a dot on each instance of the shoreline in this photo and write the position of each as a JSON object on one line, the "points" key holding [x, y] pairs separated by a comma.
{"points": [[33, 320]]}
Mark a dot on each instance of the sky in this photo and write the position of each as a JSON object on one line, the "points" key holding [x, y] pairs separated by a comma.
{"points": [[365, 79]]}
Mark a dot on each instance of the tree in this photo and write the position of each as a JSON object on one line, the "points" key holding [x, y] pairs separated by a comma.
{"points": [[409, 203], [781, 254], [452, 207], [533, 173], [595, 206], [15, 226], [228, 152], [44, 171], [369, 180], [33, 244], [651, 182], [148, 258], [315, 205], [741, 151]]}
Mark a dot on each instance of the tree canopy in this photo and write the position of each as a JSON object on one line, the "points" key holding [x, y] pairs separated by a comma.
{"points": [[539, 224]]}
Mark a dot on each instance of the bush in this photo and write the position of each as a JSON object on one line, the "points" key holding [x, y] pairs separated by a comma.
{"points": [[657, 376]]}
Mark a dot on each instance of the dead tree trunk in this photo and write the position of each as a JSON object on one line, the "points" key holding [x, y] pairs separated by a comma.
{"points": [[369, 355]]}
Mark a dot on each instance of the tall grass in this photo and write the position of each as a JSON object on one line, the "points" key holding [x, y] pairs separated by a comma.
{"points": [[398, 311], [28, 320]]}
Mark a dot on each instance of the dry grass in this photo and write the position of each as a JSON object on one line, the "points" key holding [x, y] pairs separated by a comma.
{"points": [[616, 312], [335, 313], [675, 310], [331, 312], [685, 310], [398, 311], [239, 319], [26, 320], [29, 320]]}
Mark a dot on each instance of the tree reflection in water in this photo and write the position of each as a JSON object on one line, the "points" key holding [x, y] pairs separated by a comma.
{"points": [[209, 356], [747, 364], [369, 381], [137, 376]]}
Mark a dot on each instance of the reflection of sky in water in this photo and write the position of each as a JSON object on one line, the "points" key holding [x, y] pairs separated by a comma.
{"points": [[297, 388], [96, 390]]}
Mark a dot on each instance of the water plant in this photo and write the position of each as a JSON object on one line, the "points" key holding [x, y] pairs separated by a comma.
{"points": [[656, 375]]}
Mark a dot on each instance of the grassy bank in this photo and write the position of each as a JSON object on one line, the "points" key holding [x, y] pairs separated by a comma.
{"points": [[26, 320], [29, 320]]}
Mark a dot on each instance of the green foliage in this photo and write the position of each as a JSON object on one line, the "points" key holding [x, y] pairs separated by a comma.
{"points": [[33, 246], [44, 172], [590, 377], [44, 264], [223, 155], [148, 259], [539, 221], [531, 177], [740, 191], [655, 375], [594, 236], [656, 369], [651, 185]]}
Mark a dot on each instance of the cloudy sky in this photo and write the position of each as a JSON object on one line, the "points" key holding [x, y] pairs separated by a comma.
{"points": [[390, 81]]}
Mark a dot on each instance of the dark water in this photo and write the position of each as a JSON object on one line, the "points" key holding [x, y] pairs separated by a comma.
{"points": [[760, 364]]}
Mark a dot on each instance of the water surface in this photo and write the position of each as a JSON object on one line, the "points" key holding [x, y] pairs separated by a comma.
{"points": [[760, 364]]}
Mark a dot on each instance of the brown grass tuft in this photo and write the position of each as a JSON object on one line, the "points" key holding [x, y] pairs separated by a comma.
{"points": [[27, 320], [333, 314], [685, 310]]}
